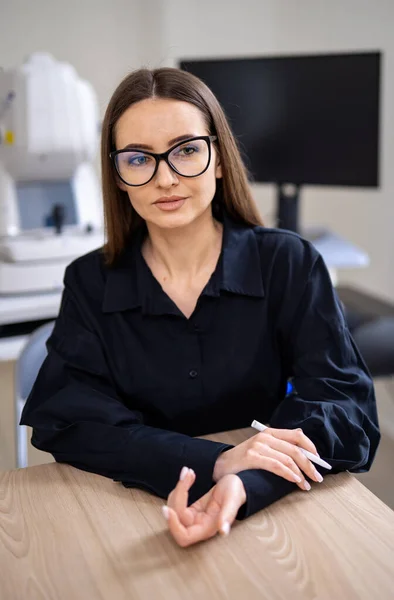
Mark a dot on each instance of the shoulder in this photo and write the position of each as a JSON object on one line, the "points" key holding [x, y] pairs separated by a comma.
{"points": [[87, 272], [289, 264], [85, 263], [285, 249]]}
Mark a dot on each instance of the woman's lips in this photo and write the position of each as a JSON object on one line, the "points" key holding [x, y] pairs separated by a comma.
{"points": [[170, 204]]}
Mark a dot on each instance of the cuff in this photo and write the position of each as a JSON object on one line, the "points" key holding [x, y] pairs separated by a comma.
{"points": [[262, 489], [201, 456]]}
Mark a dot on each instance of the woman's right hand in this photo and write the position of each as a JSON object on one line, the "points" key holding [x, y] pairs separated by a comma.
{"points": [[275, 450]]}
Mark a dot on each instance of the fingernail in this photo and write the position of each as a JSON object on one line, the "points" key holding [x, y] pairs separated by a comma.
{"points": [[183, 474], [297, 478], [191, 472], [307, 486], [164, 510], [225, 528], [318, 476]]}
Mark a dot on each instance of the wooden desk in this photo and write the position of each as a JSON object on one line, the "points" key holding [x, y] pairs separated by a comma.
{"points": [[70, 535]]}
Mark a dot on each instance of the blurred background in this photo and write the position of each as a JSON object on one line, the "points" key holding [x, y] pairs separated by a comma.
{"points": [[60, 63]]}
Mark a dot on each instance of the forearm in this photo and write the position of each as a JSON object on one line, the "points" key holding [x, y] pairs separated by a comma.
{"points": [[137, 456]]}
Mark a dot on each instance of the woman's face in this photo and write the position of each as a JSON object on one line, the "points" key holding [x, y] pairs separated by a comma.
{"points": [[154, 123]]}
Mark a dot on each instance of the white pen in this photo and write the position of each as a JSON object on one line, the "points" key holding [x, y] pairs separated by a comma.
{"points": [[260, 427]]}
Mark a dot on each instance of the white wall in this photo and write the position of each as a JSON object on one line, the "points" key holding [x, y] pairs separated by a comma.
{"points": [[106, 39], [102, 39], [221, 28]]}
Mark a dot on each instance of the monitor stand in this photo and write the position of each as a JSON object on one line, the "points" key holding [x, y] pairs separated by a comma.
{"points": [[287, 202]]}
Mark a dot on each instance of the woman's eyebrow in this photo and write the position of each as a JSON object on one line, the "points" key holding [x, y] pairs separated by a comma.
{"points": [[180, 138]]}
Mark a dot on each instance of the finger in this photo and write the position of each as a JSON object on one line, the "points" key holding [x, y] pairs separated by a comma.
{"points": [[298, 458], [228, 512], [178, 498], [277, 467], [177, 530], [278, 450], [294, 436], [286, 460], [186, 536]]}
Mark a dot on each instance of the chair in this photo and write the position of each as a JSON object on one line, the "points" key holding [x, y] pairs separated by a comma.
{"points": [[26, 370], [375, 340]]}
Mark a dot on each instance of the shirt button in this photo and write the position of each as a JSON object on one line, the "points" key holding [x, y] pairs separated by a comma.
{"points": [[193, 374], [196, 327]]}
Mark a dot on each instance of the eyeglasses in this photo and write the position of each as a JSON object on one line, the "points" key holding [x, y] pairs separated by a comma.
{"points": [[188, 159]]}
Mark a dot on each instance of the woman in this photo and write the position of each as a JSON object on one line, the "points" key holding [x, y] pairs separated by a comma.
{"points": [[191, 320]]}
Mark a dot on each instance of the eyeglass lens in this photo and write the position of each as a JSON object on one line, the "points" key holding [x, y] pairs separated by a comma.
{"points": [[189, 159]]}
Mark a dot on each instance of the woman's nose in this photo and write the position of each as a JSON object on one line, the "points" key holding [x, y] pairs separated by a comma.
{"points": [[165, 176]]}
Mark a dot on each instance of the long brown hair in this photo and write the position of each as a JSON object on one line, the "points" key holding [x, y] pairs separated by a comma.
{"points": [[232, 190]]}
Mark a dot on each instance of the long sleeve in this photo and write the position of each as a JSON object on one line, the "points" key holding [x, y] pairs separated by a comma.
{"points": [[333, 400], [78, 416]]}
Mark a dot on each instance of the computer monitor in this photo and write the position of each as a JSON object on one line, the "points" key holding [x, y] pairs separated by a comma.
{"points": [[301, 120]]}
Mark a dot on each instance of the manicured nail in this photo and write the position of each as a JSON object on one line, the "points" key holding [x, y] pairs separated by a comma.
{"points": [[183, 474], [225, 528], [318, 476], [297, 478], [307, 486], [164, 510]]}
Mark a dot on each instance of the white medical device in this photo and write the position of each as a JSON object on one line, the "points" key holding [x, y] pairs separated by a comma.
{"points": [[50, 199]]}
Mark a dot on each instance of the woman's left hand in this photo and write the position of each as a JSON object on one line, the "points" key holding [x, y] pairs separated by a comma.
{"points": [[213, 513]]}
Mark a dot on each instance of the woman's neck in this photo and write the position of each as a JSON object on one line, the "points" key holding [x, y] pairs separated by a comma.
{"points": [[184, 253]]}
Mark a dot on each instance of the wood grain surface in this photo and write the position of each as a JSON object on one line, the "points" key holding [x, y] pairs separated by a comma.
{"points": [[69, 535]]}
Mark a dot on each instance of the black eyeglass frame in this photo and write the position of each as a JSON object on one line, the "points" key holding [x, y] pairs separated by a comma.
{"points": [[164, 156]]}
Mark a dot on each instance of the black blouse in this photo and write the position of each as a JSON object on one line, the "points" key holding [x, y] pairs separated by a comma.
{"points": [[129, 381]]}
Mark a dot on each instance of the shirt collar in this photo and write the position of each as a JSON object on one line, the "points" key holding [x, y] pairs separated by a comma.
{"points": [[242, 270], [130, 283]]}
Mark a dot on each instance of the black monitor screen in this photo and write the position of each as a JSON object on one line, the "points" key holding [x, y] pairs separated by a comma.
{"points": [[301, 119]]}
